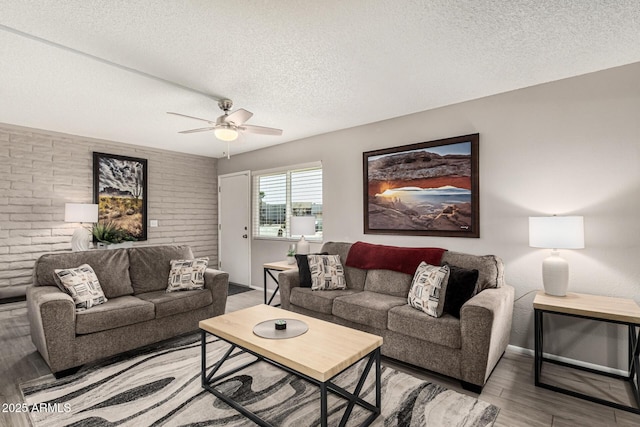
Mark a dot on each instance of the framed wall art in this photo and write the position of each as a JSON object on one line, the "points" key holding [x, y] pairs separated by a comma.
{"points": [[427, 189], [120, 190]]}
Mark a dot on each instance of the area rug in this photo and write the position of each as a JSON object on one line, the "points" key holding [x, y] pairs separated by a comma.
{"points": [[160, 386], [237, 289]]}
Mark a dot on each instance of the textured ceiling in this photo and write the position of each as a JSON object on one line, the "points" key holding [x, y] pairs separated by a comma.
{"points": [[308, 67]]}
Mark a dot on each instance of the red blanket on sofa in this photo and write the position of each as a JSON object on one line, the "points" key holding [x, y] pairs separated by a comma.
{"points": [[406, 260]]}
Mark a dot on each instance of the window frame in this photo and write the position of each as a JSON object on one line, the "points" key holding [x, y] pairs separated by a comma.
{"points": [[255, 209]]}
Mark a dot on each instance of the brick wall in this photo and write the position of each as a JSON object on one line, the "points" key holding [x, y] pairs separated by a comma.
{"points": [[40, 171]]}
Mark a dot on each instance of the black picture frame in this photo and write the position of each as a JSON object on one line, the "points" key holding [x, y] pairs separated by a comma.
{"points": [[424, 189], [120, 190]]}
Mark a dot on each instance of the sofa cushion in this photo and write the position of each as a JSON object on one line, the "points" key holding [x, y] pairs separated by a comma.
{"points": [[354, 276], [461, 287], [168, 304], [150, 266], [490, 267], [414, 323], [117, 312], [111, 268], [388, 282], [366, 308], [317, 301], [428, 289], [82, 284], [187, 274], [326, 272]]}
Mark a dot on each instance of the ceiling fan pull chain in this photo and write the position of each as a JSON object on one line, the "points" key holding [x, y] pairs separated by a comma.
{"points": [[228, 152]]}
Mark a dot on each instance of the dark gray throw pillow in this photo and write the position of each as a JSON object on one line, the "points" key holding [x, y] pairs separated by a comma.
{"points": [[461, 287], [303, 269]]}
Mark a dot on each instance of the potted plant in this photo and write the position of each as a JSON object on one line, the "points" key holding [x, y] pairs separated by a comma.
{"points": [[291, 255], [110, 236]]}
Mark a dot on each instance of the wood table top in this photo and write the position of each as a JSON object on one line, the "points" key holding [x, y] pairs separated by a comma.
{"points": [[279, 265], [596, 306], [325, 350]]}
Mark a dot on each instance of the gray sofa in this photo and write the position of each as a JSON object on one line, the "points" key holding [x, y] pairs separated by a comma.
{"points": [[138, 311], [375, 301]]}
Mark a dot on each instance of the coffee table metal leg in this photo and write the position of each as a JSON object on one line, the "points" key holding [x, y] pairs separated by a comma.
{"points": [[323, 404], [208, 383]]}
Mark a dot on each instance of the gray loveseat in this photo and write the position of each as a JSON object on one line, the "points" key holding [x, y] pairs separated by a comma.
{"points": [[138, 311], [375, 301]]}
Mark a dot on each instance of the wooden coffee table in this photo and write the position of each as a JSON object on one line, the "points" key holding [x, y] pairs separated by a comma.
{"points": [[317, 356]]}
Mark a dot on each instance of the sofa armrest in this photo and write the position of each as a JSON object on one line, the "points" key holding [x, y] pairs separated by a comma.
{"points": [[217, 282], [287, 280], [485, 326], [52, 320]]}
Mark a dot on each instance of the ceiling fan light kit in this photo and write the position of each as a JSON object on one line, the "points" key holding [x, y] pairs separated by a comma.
{"points": [[228, 126], [226, 133]]}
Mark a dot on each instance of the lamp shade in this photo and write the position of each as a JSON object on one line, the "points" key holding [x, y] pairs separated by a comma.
{"points": [[303, 225], [556, 232], [80, 212]]}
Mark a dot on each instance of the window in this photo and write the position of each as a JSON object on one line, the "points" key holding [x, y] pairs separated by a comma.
{"points": [[280, 194]]}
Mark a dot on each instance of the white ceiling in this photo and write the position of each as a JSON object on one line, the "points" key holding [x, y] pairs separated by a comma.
{"points": [[308, 67]]}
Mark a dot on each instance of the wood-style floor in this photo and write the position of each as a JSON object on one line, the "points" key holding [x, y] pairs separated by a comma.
{"points": [[510, 387]]}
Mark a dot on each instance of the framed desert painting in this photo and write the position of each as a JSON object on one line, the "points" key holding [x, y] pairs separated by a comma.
{"points": [[120, 190], [428, 189]]}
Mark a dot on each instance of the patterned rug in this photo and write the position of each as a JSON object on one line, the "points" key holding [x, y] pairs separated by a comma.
{"points": [[160, 385]]}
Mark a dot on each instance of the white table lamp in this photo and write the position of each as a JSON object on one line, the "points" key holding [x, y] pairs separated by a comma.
{"points": [[80, 212], [556, 232], [301, 226]]}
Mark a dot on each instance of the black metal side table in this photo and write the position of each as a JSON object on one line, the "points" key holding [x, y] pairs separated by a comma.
{"points": [[594, 307], [269, 268]]}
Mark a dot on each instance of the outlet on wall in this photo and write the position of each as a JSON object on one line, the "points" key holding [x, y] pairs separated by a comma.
{"points": [[153, 223]]}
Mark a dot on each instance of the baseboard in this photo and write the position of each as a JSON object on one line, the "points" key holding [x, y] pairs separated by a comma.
{"points": [[607, 369]]}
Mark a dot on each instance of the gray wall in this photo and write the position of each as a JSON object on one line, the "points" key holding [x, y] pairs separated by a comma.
{"points": [[40, 171], [566, 147]]}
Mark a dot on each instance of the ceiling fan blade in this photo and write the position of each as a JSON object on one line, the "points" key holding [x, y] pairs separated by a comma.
{"points": [[197, 130], [239, 116], [191, 117], [261, 130]]}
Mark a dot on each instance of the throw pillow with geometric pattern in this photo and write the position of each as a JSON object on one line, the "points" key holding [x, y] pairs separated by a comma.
{"points": [[187, 274], [82, 284], [429, 288], [327, 272]]}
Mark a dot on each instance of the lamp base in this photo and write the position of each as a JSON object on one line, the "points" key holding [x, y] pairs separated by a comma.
{"points": [[555, 275], [80, 240], [302, 247]]}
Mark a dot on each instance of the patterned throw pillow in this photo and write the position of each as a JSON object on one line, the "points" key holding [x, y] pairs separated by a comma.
{"points": [[429, 288], [187, 274], [304, 275], [327, 272], [82, 284]]}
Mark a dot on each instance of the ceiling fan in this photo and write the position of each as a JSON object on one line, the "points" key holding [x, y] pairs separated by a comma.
{"points": [[227, 126]]}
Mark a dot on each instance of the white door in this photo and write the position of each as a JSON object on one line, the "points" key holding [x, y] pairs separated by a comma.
{"points": [[234, 234]]}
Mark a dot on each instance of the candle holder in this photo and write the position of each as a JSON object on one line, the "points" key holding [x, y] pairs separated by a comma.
{"points": [[281, 324]]}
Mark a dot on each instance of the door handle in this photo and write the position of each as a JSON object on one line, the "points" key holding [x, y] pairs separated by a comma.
{"points": [[244, 236]]}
